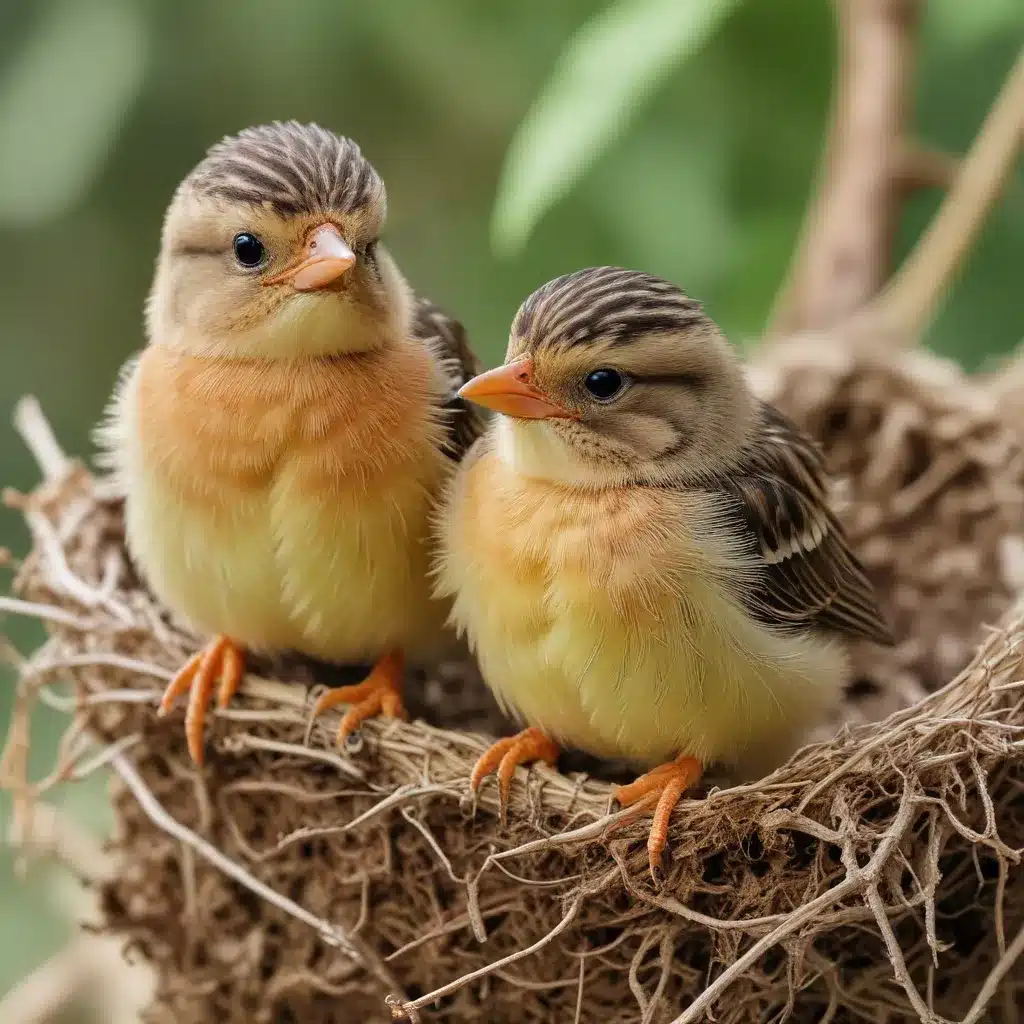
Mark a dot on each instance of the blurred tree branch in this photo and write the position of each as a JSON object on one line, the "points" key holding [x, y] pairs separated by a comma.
{"points": [[911, 298], [843, 256], [919, 166], [90, 973]]}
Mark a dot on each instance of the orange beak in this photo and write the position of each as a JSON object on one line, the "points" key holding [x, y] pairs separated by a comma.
{"points": [[509, 389], [324, 259]]}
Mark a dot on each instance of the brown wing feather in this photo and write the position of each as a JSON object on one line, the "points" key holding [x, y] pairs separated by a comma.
{"points": [[810, 577], [447, 339]]}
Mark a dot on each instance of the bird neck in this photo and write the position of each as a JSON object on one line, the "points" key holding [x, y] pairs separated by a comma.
{"points": [[533, 449]]}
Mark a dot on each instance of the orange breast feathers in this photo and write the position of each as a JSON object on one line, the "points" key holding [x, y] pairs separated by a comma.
{"points": [[217, 429], [616, 545]]}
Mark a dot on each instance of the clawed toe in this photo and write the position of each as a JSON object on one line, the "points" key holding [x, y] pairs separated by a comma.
{"points": [[659, 790], [379, 694], [222, 659], [506, 755]]}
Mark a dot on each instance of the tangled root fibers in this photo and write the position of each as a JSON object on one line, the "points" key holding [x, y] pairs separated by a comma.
{"points": [[874, 877]]}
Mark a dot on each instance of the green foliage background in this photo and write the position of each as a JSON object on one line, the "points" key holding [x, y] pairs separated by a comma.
{"points": [[684, 145]]}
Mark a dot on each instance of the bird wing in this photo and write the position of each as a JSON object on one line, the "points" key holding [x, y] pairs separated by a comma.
{"points": [[779, 497], [446, 338]]}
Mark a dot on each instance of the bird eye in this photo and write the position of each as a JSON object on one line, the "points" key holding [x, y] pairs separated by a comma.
{"points": [[603, 384], [248, 249]]}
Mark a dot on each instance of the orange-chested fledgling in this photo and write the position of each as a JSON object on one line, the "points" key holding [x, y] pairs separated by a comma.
{"points": [[640, 552], [283, 437]]}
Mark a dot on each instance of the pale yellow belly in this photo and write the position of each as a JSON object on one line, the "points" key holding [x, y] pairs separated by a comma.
{"points": [[675, 680], [342, 579]]}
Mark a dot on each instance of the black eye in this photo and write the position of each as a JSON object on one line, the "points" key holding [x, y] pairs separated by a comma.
{"points": [[603, 384], [248, 250]]}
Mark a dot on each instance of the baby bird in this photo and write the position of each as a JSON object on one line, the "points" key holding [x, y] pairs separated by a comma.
{"points": [[282, 439], [641, 553]]}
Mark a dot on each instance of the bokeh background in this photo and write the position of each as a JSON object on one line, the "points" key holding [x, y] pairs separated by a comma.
{"points": [[686, 148]]}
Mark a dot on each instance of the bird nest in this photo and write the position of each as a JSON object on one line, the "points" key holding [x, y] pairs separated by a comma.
{"points": [[874, 877]]}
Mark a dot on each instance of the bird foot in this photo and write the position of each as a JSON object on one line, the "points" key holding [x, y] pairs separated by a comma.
{"points": [[222, 658], [659, 790], [506, 755], [380, 693]]}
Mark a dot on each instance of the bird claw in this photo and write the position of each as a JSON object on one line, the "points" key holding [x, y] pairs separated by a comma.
{"points": [[221, 658], [660, 789], [506, 755], [380, 693]]}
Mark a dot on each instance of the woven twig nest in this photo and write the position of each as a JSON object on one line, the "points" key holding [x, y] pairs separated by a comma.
{"points": [[874, 877]]}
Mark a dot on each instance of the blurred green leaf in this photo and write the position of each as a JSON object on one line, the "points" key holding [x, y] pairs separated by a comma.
{"points": [[612, 64], [62, 101], [967, 24]]}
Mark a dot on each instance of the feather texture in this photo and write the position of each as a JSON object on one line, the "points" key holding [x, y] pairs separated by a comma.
{"points": [[446, 339], [642, 556], [606, 303], [608, 617], [286, 504], [294, 168], [808, 575]]}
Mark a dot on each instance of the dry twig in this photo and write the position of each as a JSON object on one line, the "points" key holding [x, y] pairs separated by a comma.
{"points": [[910, 299], [843, 255]]}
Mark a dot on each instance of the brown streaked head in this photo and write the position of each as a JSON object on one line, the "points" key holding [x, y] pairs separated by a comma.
{"points": [[295, 168], [270, 248], [614, 375]]}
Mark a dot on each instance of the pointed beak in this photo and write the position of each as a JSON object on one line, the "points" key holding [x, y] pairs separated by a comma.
{"points": [[509, 389], [324, 259]]}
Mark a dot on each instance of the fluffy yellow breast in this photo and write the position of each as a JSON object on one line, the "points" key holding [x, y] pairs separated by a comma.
{"points": [[286, 503], [601, 615]]}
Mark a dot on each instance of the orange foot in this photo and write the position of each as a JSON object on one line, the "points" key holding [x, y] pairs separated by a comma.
{"points": [[380, 693], [220, 657], [506, 755], [659, 789]]}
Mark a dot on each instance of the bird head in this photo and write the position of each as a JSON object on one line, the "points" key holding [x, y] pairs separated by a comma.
{"points": [[611, 376], [270, 249]]}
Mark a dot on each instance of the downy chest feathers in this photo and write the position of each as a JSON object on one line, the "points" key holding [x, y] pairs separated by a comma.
{"points": [[604, 617], [285, 503]]}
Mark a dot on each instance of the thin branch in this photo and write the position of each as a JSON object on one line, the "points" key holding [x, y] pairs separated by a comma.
{"points": [[843, 255], [36, 432], [579, 991], [243, 741], [48, 991], [585, 833], [454, 925], [53, 833], [1013, 953], [400, 1012], [912, 297], [466, 979], [892, 946], [46, 612], [431, 839], [919, 166], [51, 549], [109, 660]]}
